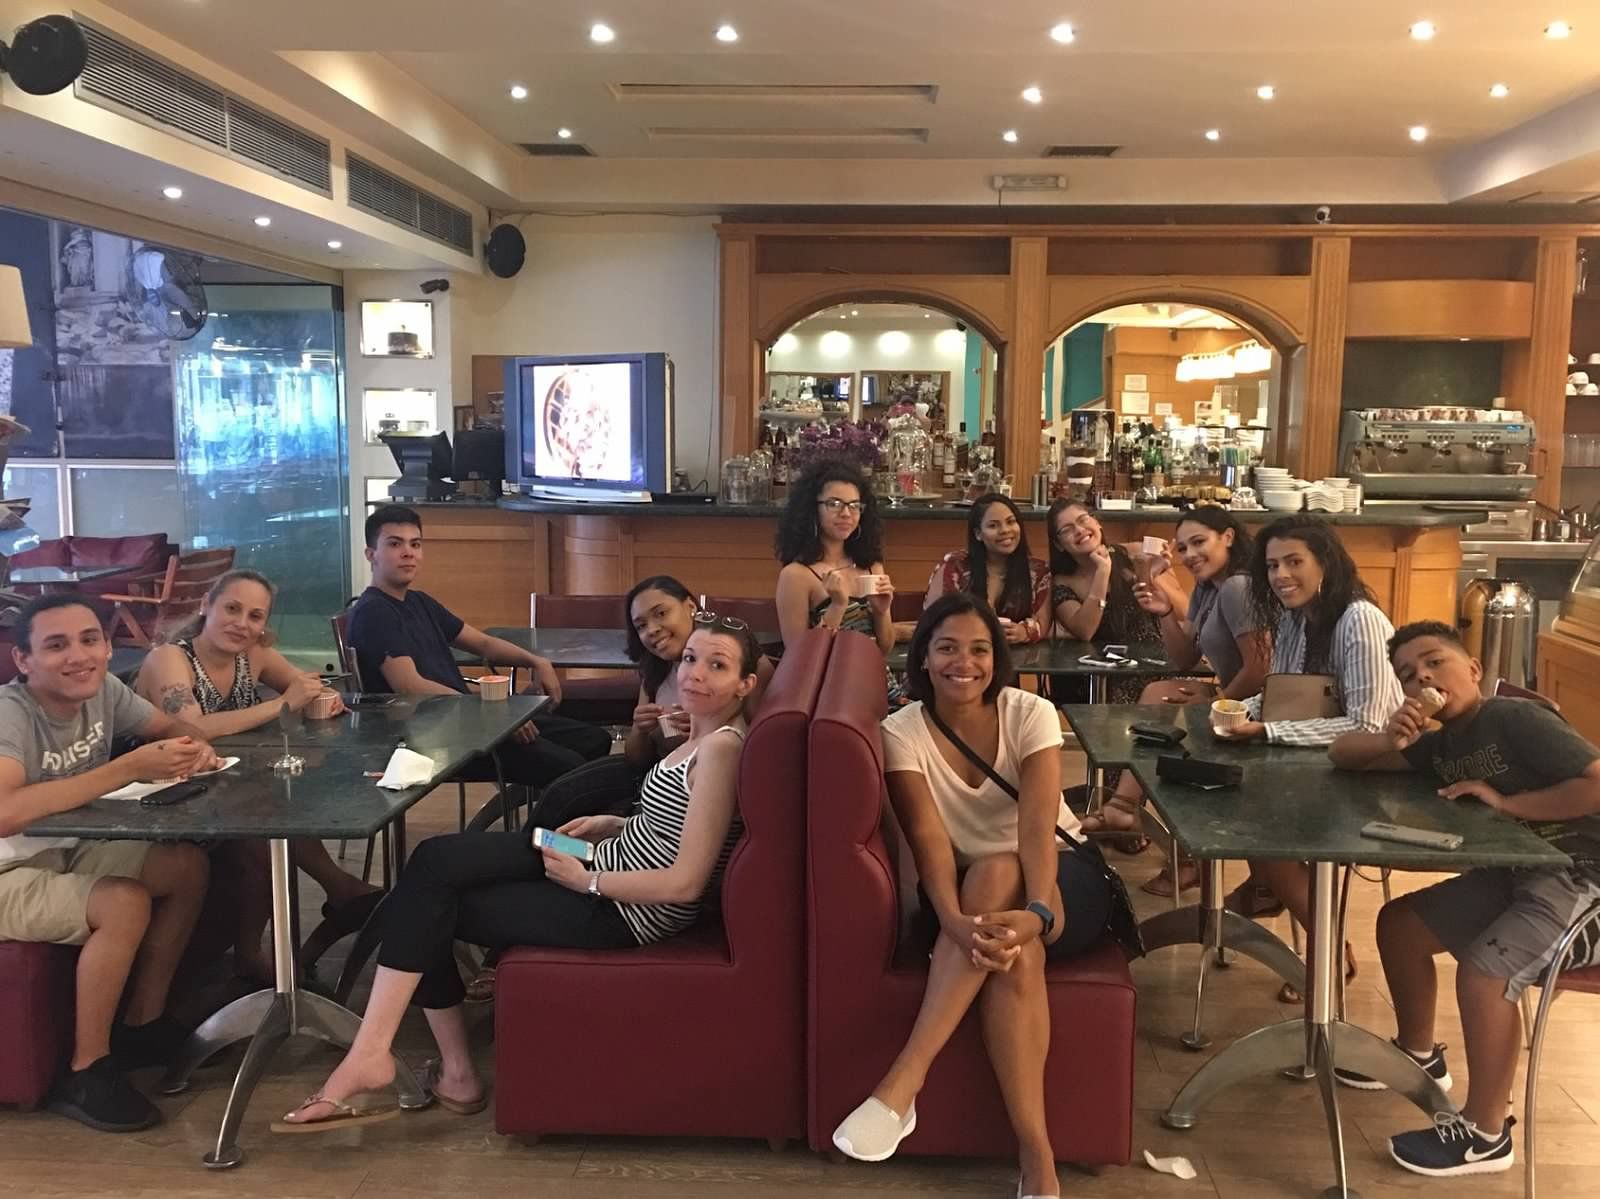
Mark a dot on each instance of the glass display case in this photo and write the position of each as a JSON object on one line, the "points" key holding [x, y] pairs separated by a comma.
{"points": [[397, 328], [1568, 667], [1580, 608]]}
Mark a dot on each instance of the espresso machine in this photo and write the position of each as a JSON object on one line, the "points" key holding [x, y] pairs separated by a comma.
{"points": [[1439, 453]]}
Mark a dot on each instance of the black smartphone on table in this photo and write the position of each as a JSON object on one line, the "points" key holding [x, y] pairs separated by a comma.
{"points": [[176, 793]]}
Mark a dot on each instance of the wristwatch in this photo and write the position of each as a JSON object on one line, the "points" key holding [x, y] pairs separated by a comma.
{"points": [[1042, 910], [594, 882]]}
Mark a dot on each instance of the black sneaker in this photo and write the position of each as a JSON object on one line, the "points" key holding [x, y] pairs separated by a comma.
{"points": [[99, 1096], [1453, 1146], [140, 1046], [1433, 1064]]}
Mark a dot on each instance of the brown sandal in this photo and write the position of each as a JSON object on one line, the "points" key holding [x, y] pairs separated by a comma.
{"points": [[1161, 884], [345, 1115], [428, 1079]]}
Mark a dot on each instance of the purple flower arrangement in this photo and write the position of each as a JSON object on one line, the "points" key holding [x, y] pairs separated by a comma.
{"points": [[858, 443]]}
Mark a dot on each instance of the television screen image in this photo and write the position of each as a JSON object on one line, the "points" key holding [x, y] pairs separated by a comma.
{"points": [[583, 422]]}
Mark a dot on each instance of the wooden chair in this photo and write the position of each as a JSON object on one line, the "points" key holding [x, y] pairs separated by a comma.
{"points": [[577, 611], [159, 602]]}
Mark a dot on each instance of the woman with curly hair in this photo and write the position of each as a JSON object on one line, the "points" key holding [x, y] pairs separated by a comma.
{"points": [[829, 540], [999, 569]]}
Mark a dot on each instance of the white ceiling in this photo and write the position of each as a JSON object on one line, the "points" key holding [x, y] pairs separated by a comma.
{"points": [[1148, 75]]}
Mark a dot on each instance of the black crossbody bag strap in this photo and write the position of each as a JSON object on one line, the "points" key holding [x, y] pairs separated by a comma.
{"points": [[976, 759]]}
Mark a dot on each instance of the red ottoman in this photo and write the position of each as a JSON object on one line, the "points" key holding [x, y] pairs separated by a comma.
{"points": [[36, 1008]]}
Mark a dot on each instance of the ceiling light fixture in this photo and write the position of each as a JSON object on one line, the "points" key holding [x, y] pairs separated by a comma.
{"points": [[518, 92], [1032, 95], [1010, 135], [1557, 30], [172, 193], [1418, 133], [602, 33], [564, 133], [1499, 92], [1213, 135], [1063, 33], [336, 245], [727, 33], [1423, 31], [1266, 91], [263, 221]]}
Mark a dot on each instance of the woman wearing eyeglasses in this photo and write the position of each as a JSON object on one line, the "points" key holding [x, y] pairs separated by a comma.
{"points": [[999, 569], [829, 542], [647, 881]]}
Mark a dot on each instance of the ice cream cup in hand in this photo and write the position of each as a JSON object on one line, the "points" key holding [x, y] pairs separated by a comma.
{"points": [[1228, 714], [324, 705], [866, 585]]}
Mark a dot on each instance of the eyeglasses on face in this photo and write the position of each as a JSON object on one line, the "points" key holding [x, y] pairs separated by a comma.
{"points": [[711, 620], [835, 505]]}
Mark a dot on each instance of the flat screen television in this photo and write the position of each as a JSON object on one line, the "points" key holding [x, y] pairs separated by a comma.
{"points": [[590, 427]]}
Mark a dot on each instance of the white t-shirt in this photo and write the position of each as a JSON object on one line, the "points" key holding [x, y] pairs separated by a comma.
{"points": [[981, 820]]}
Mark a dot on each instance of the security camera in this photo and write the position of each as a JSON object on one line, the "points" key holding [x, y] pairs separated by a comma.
{"points": [[1324, 215], [429, 286], [961, 326]]}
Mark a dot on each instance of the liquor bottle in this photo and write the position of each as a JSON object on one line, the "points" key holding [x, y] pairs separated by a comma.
{"points": [[963, 451], [988, 432], [947, 470]]}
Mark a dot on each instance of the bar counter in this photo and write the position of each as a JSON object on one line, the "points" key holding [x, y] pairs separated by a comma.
{"points": [[484, 560]]}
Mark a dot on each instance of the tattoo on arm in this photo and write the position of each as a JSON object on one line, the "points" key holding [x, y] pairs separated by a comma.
{"points": [[175, 698]]}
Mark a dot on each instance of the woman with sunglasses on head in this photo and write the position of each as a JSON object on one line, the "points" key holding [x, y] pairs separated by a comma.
{"points": [[1217, 626], [830, 543], [1304, 584], [648, 880], [998, 568], [973, 770]]}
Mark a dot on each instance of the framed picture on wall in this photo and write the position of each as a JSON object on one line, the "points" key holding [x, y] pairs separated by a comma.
{"points": [[397, 328]]}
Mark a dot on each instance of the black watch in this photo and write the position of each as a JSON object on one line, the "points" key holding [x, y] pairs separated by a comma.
{"points": [[1045, 913]]}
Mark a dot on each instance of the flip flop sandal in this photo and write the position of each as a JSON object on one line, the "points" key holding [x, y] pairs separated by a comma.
{"points": [[481, 988], [873, 1132], [345, 1116], [1161, 884], [428, 1079]]}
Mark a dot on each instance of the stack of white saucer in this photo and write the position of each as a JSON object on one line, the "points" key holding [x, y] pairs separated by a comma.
{"points": [[1277, 491]]}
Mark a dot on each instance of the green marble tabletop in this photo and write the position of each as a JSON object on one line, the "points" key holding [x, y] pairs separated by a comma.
{"points": [[332, 798], [1060, 657], [1294, 804]]}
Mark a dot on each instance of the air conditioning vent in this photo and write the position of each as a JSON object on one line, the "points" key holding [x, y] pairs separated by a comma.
{"points": [[375, 190], [129, 80], [831, 92], [1081, 151], [557, 149]]}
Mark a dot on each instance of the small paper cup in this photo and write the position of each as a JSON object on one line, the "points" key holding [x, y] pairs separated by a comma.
{"points": [[864, 585], [1227, 713], [323, 706], [494, 686]]}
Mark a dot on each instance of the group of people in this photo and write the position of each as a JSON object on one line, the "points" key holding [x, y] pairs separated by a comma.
{"points": [[1010, 877]]}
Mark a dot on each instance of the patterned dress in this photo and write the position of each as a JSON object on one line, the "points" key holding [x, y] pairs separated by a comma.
{"points": [[241, 695], [1122, 623], [858, 619], [954, 573]]}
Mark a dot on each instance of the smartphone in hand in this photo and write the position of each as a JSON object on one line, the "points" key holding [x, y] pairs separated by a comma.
{"points": [[547, 839]]}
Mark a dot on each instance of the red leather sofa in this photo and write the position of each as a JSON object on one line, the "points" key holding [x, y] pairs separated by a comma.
{"points": [[141, 554], [865, 988], [703, 1034], [36, 1008]]}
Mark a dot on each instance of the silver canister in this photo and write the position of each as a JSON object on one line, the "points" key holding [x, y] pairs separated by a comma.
{"points": [[1041, 490]]}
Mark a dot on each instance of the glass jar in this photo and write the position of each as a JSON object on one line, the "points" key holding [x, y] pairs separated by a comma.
{"points": [[761, 477], [736, 480]]}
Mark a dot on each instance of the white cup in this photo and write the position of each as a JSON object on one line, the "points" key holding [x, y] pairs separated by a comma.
{"points": [[1228, 713], [865, 585], [494, 686]]}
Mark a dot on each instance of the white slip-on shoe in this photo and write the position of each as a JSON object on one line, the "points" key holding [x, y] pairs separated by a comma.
{"points": [[873, 1131], [1020, 1195]]}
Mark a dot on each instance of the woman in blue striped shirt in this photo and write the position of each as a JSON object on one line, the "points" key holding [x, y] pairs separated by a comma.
{"points": [[1305, 585]]}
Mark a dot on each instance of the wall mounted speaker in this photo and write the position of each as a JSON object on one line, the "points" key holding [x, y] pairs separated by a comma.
{"points": [[505, 251], [46, 55]]}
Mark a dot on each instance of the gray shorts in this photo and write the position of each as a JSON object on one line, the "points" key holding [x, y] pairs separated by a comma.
{"points": [[1506, 923]]}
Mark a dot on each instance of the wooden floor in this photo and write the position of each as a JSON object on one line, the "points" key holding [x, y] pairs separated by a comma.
{"points": [[1260, 1140]]}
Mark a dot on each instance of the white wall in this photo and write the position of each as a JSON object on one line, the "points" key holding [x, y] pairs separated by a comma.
{"points": [[600, 285], [864, 354]]}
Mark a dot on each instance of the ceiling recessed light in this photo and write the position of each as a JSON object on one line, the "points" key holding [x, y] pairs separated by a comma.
{"points": [[1266, 91], [1557, 30], [602, 33], [1062, 33], [263, 221], [727, 33], [563, 133], [1010, 135], [172, 193], [1032, 95], [1213, 135], [1499, 91], [1423, 31], [855, 312], [518, 92], [1418, 133], [336, 245]]}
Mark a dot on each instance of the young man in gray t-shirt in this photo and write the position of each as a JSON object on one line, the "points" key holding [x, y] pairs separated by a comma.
{"points": [[119, 900]]}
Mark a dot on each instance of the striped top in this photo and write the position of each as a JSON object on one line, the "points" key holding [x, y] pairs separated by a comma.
{"points": [[650, 840], [241, 695], [1358, 659]]}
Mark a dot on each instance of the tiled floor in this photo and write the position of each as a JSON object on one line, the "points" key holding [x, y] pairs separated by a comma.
{"points": [[1262, 1139]]}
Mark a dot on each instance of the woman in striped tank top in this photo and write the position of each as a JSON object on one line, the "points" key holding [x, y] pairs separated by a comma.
{"points": [[651, 873]]}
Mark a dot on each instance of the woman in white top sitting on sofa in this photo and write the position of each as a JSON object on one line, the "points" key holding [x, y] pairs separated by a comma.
{"points": [[974, 773]]}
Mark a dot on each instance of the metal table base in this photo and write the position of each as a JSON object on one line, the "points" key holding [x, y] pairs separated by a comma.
{"points": [[267, 1019], [1319, 1038]]}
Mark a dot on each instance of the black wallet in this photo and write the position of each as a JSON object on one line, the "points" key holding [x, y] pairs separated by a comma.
{"points": [[1157, 734], [1198, 772]]}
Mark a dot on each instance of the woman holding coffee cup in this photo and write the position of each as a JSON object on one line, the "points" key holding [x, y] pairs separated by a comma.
{"points": [[229, 641], [831, 547], [998, 567]]}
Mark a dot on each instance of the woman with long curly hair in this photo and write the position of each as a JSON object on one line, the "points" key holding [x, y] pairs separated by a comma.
{"points": [[830, 541], [999, 569]]}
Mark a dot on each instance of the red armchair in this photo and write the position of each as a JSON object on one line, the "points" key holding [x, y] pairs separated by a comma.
{"points": [[864, 989], [36, 1009], [703, 1034]]}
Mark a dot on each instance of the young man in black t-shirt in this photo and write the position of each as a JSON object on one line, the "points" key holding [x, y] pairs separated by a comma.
{"points": [[402, 639], [1502, 926]]}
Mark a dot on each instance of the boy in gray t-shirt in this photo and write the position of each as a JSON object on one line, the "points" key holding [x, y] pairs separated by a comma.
{"points": [[119, 900], [1502, 926]]}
